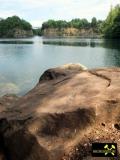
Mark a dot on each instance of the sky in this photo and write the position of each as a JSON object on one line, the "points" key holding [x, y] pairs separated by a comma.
{"points": [[39, 11]]}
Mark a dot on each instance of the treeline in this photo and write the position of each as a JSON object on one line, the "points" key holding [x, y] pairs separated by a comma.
{"points": [[8, 25], [74, 23], [111, 26]]}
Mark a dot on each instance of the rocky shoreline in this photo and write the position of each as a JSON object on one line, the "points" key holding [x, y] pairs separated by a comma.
{"points": [[68, 109]]}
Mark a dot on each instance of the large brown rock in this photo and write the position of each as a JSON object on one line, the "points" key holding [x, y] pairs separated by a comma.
{"points": [[63, 115], [6, 101]]}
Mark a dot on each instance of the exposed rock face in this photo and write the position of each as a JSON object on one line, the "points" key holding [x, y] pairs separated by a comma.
{"points": [[18, 33], [71, 32], [63, 115]]}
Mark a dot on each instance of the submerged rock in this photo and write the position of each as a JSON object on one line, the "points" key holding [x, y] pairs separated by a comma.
{"points": [[8, 88], [60, 118]]}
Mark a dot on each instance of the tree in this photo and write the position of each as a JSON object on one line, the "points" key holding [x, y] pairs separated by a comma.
{"points": [[85, 23], [94, 22], [8, 26], [111, 26]]}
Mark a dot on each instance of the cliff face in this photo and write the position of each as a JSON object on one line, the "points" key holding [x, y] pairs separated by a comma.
{"points": [[69, 108], [18, 33], [71, 32]]}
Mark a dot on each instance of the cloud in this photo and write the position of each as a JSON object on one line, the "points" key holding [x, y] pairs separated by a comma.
{"points": [[37, 11], [5, 14], [37, 23]]}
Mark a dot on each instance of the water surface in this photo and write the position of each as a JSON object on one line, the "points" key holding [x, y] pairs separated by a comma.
{"points": [[22, 61]]}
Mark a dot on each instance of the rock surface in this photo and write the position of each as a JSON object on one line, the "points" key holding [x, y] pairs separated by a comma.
{"points": [[59, 119], [19, 33], [64, 32], [6, 101]]}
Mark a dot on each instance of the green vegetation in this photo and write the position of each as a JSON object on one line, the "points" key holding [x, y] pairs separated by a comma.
{"points": [[111, 26], [8, 26], [79, 23], [94, 22], [74, 23], [54, 24], [37, 31]]}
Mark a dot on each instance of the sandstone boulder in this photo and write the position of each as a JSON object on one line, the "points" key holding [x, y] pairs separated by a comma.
{"points": [[61, 117]]}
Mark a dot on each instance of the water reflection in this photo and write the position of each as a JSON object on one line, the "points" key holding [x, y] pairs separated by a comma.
{"points": [[16, 42], [60, 43], [112, 57], [113, 44]]}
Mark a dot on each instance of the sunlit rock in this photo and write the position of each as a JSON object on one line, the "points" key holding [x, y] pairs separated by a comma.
{"points": [[60, 118]]}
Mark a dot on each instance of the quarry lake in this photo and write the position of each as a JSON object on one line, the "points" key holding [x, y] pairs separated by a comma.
{"points": [[22, 61]]}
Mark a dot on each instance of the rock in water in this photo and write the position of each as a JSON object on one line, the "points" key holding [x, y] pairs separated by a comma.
{"points": [[8, 88], [60, 118]]}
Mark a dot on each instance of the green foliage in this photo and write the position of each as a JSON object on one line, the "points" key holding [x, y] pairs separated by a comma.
{"points": [[94, 22], [111, 26], [7, 26], [75, 23], [79, 23], [54, 24], [37, 31]]}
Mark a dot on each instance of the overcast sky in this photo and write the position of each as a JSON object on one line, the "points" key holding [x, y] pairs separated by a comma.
{"points": [[38, 11]]}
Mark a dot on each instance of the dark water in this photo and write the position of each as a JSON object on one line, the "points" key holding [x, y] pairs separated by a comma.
{"points": [[22, 61]]}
